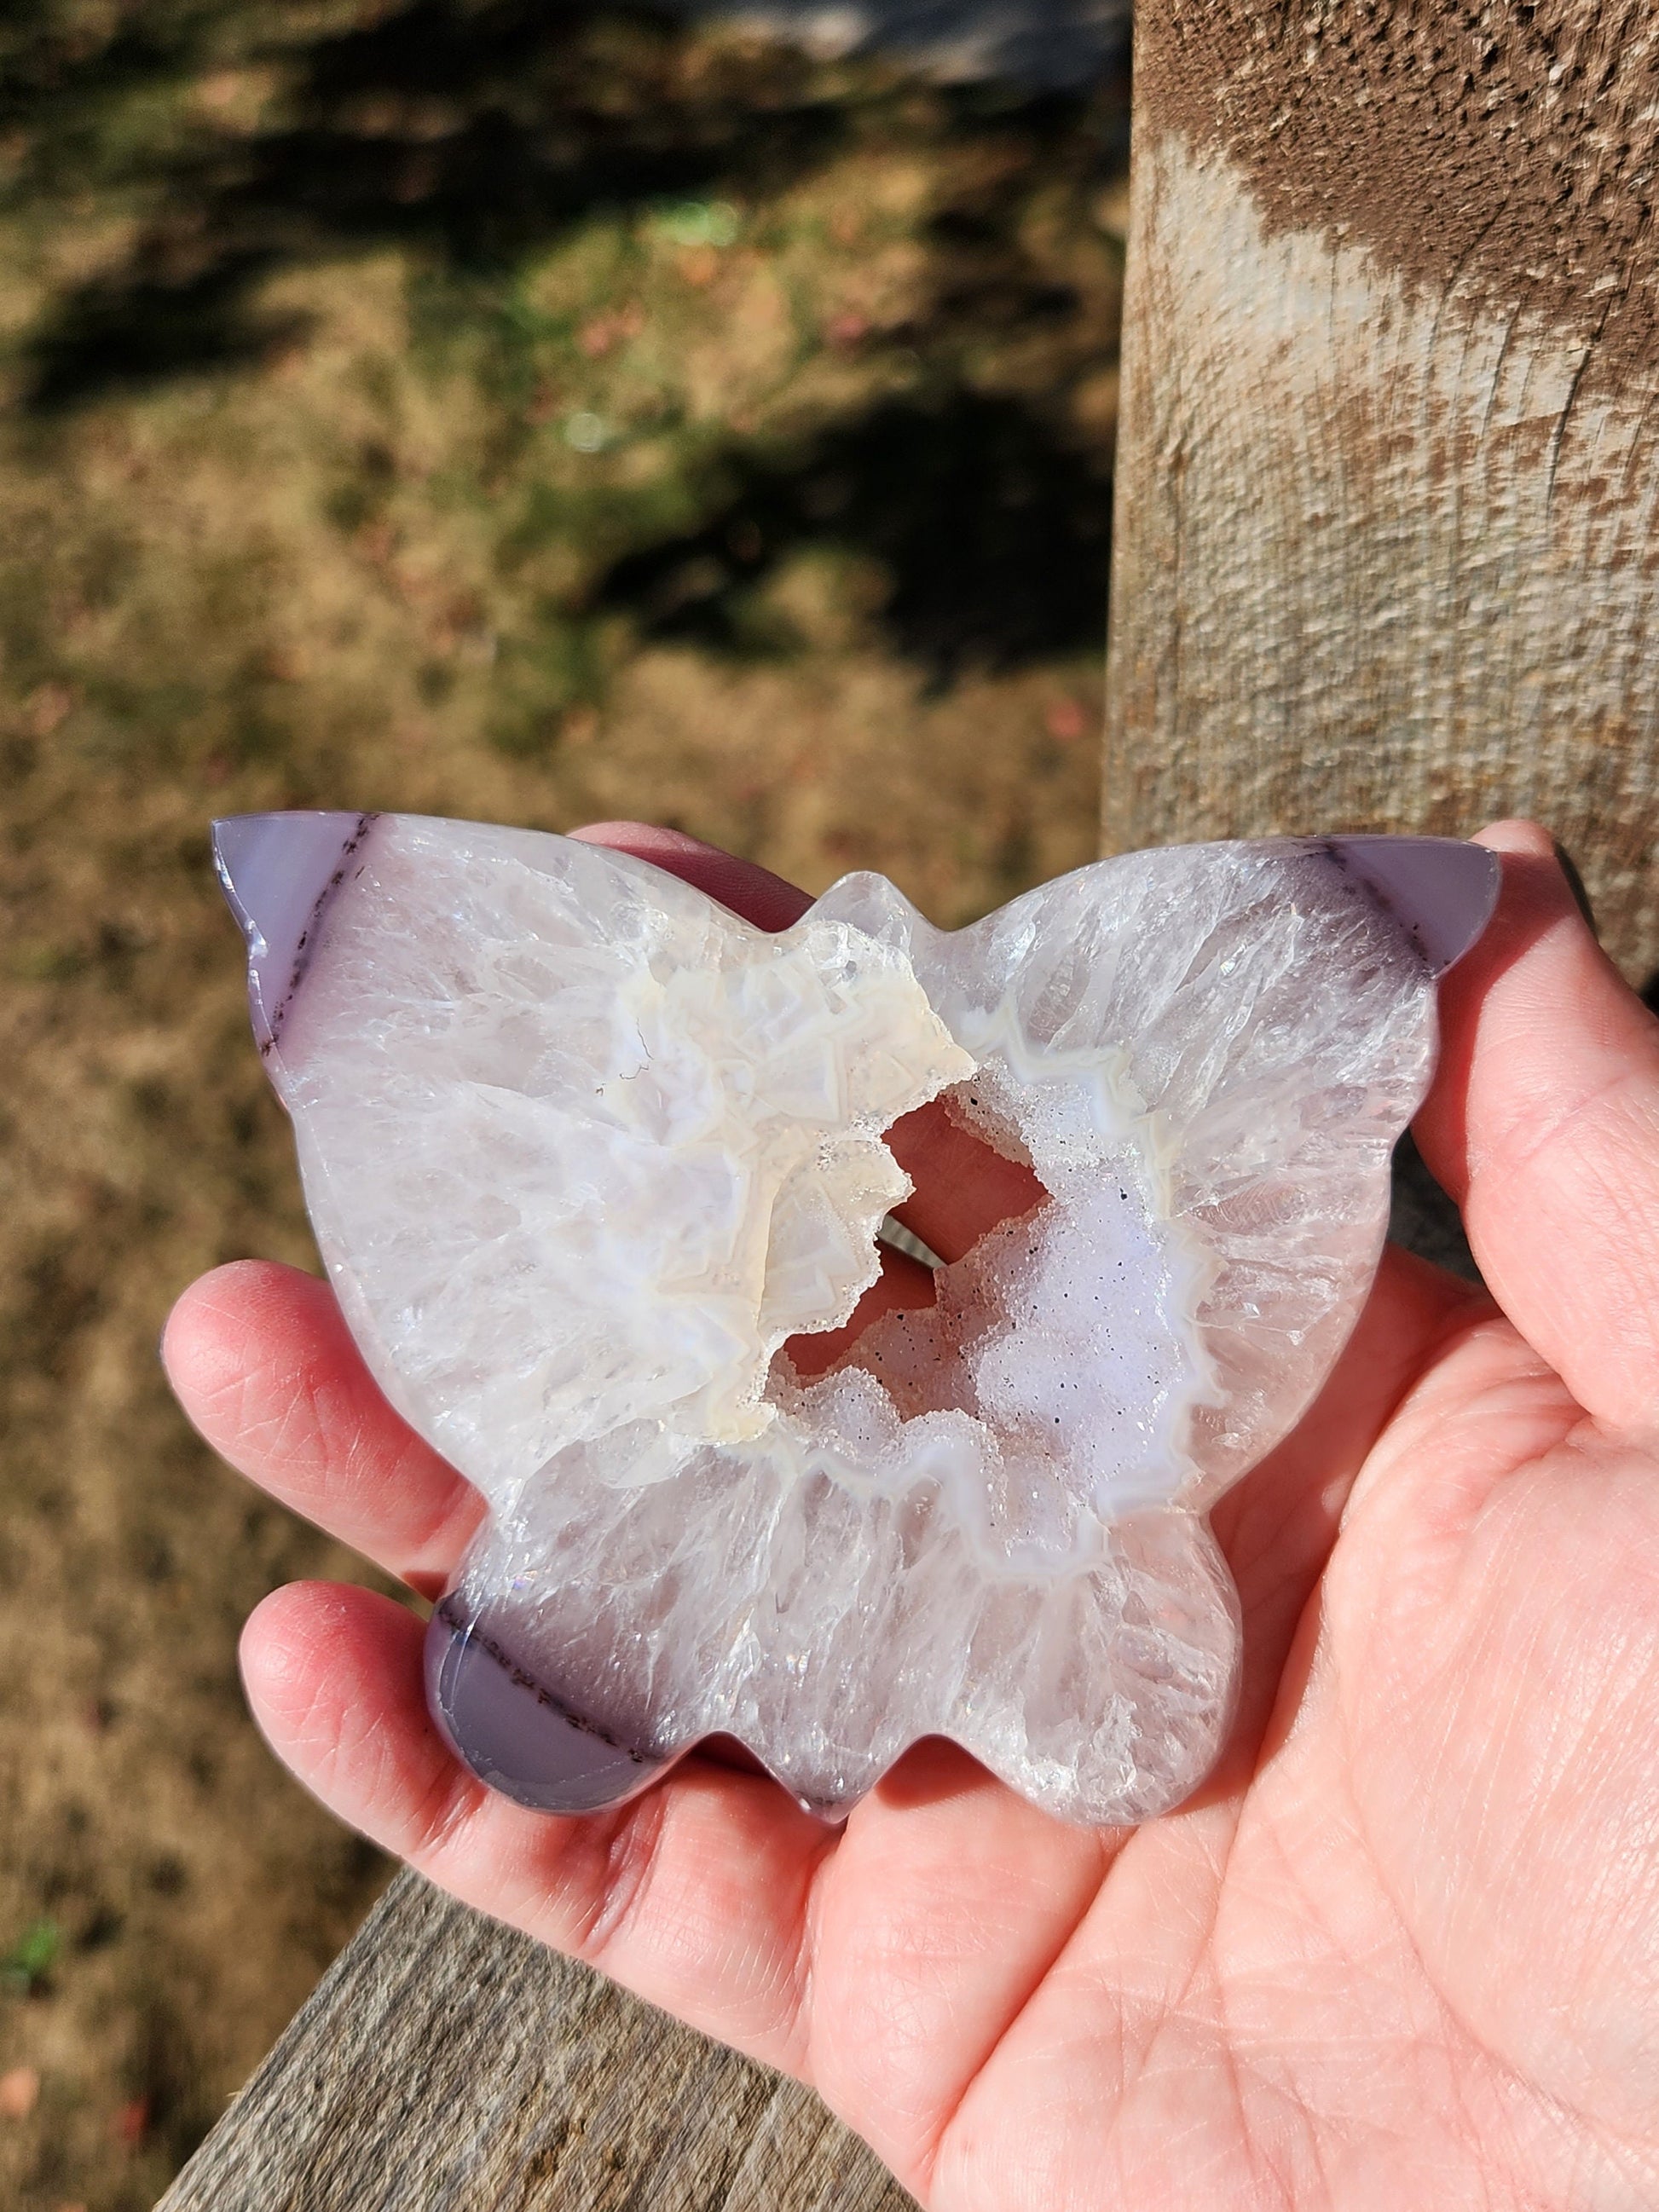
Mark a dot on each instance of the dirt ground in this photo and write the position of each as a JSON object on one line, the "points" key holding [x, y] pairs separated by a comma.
{"points": [[421, 406]]}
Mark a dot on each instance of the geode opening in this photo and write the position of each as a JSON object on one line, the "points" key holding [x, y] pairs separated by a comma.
{"points": [[972, 1178]]}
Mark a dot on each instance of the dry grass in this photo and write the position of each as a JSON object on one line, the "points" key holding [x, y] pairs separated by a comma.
{"points": [[640, 423]]}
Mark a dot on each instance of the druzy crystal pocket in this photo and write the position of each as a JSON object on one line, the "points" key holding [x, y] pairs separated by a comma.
{"points": [[584, 1152]]}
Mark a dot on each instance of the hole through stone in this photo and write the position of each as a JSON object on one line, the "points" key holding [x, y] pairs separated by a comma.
{"points": [[964, 1188]]}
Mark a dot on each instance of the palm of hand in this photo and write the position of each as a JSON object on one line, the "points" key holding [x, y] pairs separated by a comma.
{"points": [[1404, 1949]]}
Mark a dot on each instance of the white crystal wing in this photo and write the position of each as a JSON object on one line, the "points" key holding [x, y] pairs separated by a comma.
{"points": [[1276, 1023], [581, 1147]]}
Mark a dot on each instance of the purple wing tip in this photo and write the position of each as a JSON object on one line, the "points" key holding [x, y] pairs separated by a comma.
{"points": [[1440, 890], [513, 1732], [278, 871]]}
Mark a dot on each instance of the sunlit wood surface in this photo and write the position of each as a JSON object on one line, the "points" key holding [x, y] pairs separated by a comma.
{"points": [[1385, 549], [447, 2063]]}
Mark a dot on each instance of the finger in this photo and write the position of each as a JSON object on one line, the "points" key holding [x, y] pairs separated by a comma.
{"points": [[754, 892], [694, 1895], [902, 1286], [946, 1903], [262, 1363], [963, 1188], [1544, 1125]]}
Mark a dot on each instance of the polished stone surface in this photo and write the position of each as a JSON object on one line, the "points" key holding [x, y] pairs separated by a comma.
{"points": [[583, 1151]]}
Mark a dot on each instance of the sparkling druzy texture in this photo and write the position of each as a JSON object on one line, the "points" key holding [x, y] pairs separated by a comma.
{"points": [[584, 1150]]}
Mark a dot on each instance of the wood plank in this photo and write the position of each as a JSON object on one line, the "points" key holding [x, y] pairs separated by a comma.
{"points": [[1387, 552], [447, 2064]]}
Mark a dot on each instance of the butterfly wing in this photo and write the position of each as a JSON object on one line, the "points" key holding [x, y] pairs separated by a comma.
{"points": [[1268, 1011], [580, 1146]]}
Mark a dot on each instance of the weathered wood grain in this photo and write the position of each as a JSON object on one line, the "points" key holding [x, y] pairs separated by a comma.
{"points": [[445, 2064], [1387, 544]]}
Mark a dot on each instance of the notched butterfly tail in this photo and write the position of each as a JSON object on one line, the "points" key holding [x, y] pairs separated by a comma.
{"points": [[1440, 892], [279, 872], [513, 1732]]}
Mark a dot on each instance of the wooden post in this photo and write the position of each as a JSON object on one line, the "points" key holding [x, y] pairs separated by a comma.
{"points": [[1386, 553]]}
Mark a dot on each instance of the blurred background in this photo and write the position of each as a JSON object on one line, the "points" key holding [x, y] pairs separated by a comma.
{"points": [[524, 411]]}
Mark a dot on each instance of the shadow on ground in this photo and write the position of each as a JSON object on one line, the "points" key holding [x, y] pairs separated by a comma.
{"points": [[473, 135], [993, 542], [477, 133]]}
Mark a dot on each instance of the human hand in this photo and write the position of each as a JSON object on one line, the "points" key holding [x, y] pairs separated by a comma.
{"points": [[1402, 1950]]}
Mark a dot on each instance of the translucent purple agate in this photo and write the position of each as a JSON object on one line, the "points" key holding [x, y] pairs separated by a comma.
{"points": [[583, 1152]]}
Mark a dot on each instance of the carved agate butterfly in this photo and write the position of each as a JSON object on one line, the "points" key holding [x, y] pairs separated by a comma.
{"points": [[585, 1154]]}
